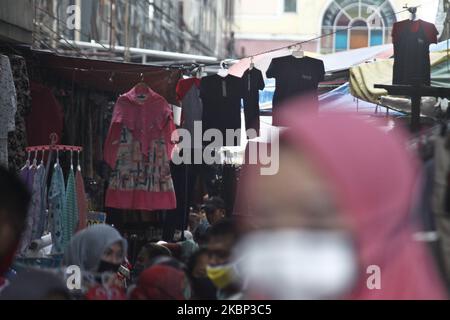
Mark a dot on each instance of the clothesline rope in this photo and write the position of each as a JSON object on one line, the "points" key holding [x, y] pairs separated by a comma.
{"points": [[192, 66]]}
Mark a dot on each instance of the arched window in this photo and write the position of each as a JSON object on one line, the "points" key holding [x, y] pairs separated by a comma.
{"points": [[356, 24]]}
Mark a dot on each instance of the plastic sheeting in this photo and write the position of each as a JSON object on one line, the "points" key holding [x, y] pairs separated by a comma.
{"points": [[364, 76]]}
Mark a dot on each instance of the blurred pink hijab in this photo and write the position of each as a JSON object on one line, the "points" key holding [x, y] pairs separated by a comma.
{"points": [[374, 179]]}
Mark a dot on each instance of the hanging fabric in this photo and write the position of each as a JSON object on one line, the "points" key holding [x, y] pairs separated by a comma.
{"points": [[82, 204], [188, 94], [27, 175], [38, 202], [70, 212], [17, 140], [46, 116], [8, 107], [57, 220], [295, 77], [139, 149], [37, 174]]}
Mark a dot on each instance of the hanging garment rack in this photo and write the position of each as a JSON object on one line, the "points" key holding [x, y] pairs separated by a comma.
{"points": [[53, 146]]}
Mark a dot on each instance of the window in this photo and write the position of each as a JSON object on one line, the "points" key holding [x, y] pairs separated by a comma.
{"points": [[356, 24], [290, 6]]}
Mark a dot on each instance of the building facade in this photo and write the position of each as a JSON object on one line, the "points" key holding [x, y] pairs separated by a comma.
{"points": [[334, 25], [200, 27]]}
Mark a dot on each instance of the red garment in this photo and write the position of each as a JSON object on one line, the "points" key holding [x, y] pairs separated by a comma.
{"points": [[81, 202], [429, 29], [141, 179], [45, 118], [161, 282], [101, 293], [147, 122], [184, 85], [373, 178]]}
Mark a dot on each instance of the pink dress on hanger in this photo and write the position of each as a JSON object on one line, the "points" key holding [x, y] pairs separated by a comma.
{"points": [[139, 149]]}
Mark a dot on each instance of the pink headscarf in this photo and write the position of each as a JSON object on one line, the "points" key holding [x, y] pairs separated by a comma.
{"points": [[374, 179]]}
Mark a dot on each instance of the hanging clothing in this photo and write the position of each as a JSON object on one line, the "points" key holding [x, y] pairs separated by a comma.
{"points": [[139, 149], [27, 176], [70, 212], [45, 118], [253, 81], [221, 98], [295, 77], [38, 203], [82, 204], [8, 107], [188, 93], [56, 198], [17, 140], [412, 41]]}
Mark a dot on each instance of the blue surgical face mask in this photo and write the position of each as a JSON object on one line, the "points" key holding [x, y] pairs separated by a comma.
{"points": [[298, 264]]}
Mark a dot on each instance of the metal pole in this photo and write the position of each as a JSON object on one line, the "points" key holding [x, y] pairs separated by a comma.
{"points": [[416, 99]]}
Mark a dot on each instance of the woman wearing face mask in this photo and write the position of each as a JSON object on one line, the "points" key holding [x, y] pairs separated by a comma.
{"points": [[222, 268], [337, 223], [98, 250]]}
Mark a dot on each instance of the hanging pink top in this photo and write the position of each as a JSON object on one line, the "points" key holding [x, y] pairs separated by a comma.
{"points": [[138, 149], [146, 120]]}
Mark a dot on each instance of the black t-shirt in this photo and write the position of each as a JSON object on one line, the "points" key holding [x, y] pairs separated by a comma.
{"points": [[252, 81], [221, 97], [294, 77], [412, 41]]}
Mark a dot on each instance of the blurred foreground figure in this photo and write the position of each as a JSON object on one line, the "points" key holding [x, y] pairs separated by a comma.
{"points": [[14, 201], [335, 221]]}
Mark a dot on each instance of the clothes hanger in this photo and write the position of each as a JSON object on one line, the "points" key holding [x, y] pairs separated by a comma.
{"points": [[78, 162], [42, 159], [142, 86], [57, 158], [34, 165], [28, 162], [71, 160], [297, 51], [223, 72], [198, 74], [413, 11]]}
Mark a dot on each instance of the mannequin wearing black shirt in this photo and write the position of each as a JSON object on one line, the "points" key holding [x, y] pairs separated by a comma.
{"points": [[295, 77]]}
